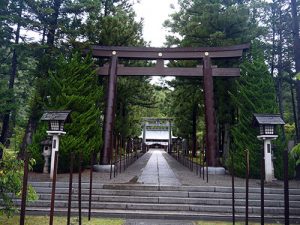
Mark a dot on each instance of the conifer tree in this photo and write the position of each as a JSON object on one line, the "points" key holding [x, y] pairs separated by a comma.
{"points": [[255, 94], [73, 86]]}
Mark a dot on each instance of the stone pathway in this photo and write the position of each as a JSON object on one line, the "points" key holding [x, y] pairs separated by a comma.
{"points": [[157, 171], [161, 165]]}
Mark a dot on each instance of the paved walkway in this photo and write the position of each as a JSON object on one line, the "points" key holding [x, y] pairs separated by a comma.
{"points": [[168, 168], [157, 171]]}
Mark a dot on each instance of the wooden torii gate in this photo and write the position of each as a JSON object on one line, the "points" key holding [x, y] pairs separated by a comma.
{"points": [[160, 54]]}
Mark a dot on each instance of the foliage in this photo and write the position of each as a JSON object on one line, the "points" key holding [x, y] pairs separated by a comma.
{"points": [[73, 86], [255, 94], [295, 152], [11, 175], [185, 98]]}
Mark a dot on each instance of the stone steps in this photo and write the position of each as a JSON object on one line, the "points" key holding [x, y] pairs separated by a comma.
{"points": [[167, 200], [182, 194], [163, 207], [172, 202]]}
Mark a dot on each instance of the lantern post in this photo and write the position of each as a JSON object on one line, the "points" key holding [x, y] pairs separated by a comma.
{"points": [[267, 132], [56, 121]]}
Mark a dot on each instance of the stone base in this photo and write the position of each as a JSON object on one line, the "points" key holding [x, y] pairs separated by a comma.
{"points": [[215, 170], [103, 168]]}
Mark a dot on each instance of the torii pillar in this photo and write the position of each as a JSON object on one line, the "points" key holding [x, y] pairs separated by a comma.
{"points": [[210, 124], [109, 119]]}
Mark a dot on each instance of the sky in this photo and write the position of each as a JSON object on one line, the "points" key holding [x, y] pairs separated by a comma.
{"points": [[154, 12]]}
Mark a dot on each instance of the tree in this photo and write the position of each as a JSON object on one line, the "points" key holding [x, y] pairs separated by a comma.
{"points": [[11, 174], [201, 23], [73, 86], [295, 31], [13, 72], [255, 94]]}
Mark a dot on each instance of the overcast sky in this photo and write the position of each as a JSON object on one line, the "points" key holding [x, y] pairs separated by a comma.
{"points": [[154, 12]]}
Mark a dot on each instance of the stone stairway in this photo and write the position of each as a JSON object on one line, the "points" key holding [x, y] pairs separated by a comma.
{"points": [[165, 202]]}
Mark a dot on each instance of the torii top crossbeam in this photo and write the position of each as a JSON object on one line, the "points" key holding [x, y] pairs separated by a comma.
{"points": [[150, 53]]}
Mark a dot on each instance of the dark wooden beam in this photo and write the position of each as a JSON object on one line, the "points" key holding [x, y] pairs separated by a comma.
{"points": [[210, 123], [109, 119], [147, 53], [170, 71]]}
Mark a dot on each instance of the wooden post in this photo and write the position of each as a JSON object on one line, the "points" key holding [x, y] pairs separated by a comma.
{"points": [[91, 185], [109, 119], [232, 190], [247, 186], [262, 187], [24, 189], [53, 188], [210, 124], [286, 187], [79, 188], [70, 189]]}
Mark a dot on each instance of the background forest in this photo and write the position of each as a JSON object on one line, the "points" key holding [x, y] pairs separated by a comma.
{"points": [[46, 71]]}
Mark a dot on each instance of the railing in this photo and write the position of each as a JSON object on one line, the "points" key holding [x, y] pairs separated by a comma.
{"points": [[194, 163]]}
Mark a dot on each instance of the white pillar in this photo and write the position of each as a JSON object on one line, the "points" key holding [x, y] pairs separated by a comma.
{"points": [[269, 170], [55, 147]]}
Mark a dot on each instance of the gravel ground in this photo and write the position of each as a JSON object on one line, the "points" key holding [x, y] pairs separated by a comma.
{"points": [[184, 175]]}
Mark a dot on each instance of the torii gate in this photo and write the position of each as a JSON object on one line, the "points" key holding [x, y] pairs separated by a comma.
{"points": [[160, 54]]}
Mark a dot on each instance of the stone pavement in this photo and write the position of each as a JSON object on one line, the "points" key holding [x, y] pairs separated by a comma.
{"points": [[183, 175], [157, 171]]}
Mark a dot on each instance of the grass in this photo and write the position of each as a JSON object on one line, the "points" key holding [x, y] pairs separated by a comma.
{"points": [[228, 223], [44, 220]]}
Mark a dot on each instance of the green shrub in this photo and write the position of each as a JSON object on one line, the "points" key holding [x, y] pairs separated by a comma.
{"points": [[74, 86]]}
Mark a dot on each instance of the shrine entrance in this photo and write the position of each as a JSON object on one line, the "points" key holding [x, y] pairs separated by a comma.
{"points": [[205, 69]]}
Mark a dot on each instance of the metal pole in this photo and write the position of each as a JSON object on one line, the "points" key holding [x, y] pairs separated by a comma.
{"points": [[117, 155], [79, 188], [232, 184], [247, 186], [262, 184], [111, 161], [286, 187], [120, 155], [114, 154], [91, 185], [53, 188], [206, 165], [203, 166], [70, 188], [24, 189]]}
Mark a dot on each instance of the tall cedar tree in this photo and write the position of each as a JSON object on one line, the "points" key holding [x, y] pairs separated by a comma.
{"points": [[73, 86], [256, 94], [201, 23]]}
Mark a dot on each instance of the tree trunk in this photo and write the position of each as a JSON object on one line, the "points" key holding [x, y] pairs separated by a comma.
{"points": [[294, 106], [296, 38], [5, 123], [35, 113], [280, 71], [226, 144], [53, 23]]}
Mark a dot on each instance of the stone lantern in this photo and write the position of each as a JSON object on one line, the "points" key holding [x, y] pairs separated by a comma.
{"points": [[46, 144], [267, 132], [56, 121]]}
